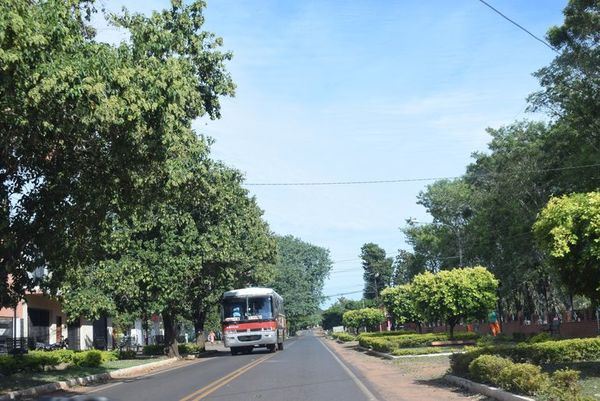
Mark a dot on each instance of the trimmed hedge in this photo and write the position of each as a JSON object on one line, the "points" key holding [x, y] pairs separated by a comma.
{"points": [[485, 368], [342, 336], [422, 351], [390, 343], [523, 378], [126, 354], [387, 333], [189, 348], [154, 349], [549, 352], [38, 361]]}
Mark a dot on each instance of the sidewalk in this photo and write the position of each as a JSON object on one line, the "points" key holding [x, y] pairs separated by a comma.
{"points": [[403, 379]]}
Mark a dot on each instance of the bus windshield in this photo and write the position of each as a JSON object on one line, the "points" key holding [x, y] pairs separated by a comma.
{"points": [[243, 309]]}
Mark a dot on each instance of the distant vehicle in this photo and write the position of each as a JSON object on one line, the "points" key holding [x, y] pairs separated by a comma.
{"points": [[252, 317]]}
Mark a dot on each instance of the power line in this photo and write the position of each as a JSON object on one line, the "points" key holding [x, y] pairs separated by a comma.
{"points": [[342, 294], [521, 27], [402, 180]]}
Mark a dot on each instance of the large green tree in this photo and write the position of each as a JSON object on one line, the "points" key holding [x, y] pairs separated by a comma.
{"points": [[399, 302], [90, 132], [367, 318], [300, 272], [452, 295], [570, 92], [568, 228], [377, 268]]}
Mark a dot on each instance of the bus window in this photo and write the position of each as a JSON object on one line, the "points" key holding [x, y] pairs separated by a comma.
{"points": [[233, 309], [260, 308]]}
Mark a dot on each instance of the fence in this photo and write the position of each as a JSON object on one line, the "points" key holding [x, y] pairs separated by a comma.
{"points": [[16, 345]]}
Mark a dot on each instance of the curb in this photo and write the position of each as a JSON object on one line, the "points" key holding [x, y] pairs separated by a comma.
{"points": [[489, 391], [390, 356], [377, 353], [63, 385]]}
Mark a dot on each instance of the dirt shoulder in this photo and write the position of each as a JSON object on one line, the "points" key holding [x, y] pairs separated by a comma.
{"points": [[408, 379]]}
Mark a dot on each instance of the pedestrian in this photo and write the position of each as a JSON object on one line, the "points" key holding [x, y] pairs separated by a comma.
{"points": [[494, 324], [211, 337]]}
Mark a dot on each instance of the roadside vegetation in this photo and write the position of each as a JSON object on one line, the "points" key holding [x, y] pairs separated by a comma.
{"points": [[41, 367]]}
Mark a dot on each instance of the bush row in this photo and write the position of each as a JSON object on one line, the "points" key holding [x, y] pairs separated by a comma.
{"points": [[38, 361], [390, 343], [541, 353], [343, 336], [184, 349], [387, 333], [526, 378]]}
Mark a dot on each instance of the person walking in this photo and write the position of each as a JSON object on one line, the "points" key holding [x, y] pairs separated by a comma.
{"points": [[211, 337], [494, 324]]}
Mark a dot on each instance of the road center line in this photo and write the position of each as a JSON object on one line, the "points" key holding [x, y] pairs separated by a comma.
{"points": [[355, 379], [211, 387]]}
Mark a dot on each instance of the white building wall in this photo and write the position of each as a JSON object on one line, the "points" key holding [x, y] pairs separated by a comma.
{"points": [[137, 332], [109, 340], [86, 335]]}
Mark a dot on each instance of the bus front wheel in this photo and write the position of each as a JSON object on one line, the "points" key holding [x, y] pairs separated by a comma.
{"points": [[235, 350], [271, 347]]}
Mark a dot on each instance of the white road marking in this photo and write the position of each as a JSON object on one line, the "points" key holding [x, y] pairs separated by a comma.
{"points": [[355, 379]]}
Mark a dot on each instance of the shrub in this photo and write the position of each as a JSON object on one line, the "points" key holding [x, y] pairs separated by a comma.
{"points": [[108, 356], [189, 348], [485, 368], [421, 351], [459, 363], [90, 359], [8, 365], [154, 349], [390, 343], [343, 336], [518, 337], [126, 354], [523, 378], [387, 333], [540, 338], [549, 352], [564, 386]]}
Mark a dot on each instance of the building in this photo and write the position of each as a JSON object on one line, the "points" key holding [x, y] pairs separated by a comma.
{"points": [[39, 319]]}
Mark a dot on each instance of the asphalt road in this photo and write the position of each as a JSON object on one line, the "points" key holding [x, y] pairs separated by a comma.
{"points": [[305, 370]]}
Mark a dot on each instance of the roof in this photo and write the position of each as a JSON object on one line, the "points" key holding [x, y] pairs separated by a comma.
{"points": [[248, 292]]}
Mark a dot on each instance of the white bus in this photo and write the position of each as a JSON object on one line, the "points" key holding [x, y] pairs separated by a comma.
{"points": [[252, 317]]}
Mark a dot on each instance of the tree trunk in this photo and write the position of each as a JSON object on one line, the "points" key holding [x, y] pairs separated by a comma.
{"points": [[171, 344], [452, 323], [420, 327], [199, 320], [145, 328]]}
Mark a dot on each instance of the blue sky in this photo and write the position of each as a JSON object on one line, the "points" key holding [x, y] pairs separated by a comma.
{"points": [[364, 90]]}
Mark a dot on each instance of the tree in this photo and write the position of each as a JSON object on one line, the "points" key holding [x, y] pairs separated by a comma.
{"points": [[89, 131], [449, 203], [570, 88], [451, 295], [300, 273], [377, 269], [512, 183], [568, 228], [332, 316], [400, 304], [369, 318]]}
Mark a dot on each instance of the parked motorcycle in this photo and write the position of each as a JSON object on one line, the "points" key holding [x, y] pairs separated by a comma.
{"points": [[64, 344]]}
